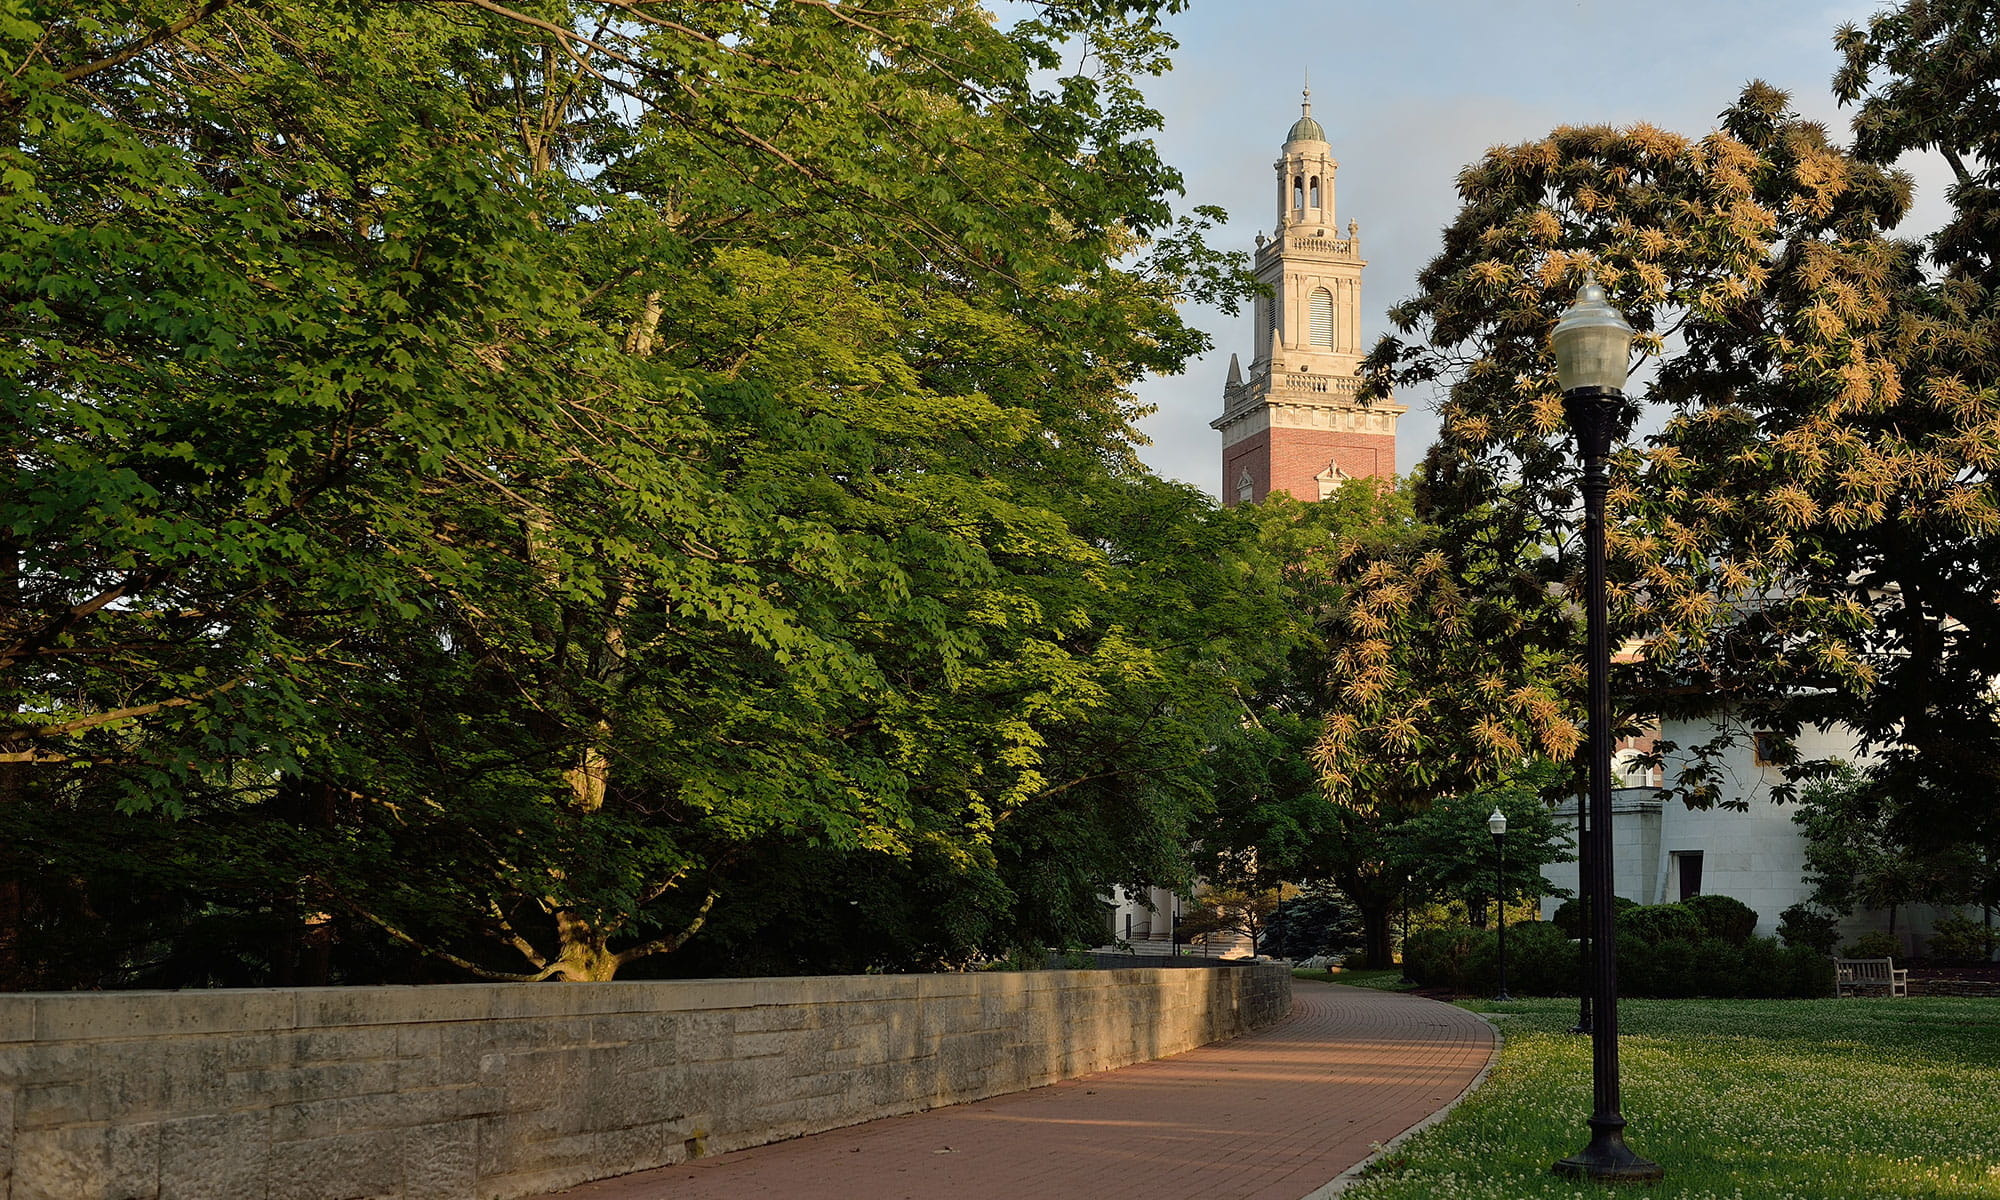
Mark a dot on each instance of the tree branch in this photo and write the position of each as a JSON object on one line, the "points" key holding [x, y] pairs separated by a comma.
{"points": [[672, 942], [21, 732], [446, 956], [135, 49]]}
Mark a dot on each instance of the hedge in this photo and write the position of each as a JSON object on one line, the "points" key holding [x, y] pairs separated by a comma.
{"points": [[1542, 961]]}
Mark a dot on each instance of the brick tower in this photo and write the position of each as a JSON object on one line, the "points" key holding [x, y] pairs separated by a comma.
{"points": [[1293, 423]]}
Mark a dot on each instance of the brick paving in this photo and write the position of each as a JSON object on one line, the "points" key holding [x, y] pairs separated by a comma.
{"points": [[1269, 1116]]}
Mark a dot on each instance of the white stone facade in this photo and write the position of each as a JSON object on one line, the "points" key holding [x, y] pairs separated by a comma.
{"points": [[1758, 856]]}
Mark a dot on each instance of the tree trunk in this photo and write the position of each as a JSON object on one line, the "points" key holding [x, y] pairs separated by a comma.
{"points": [[303, 956], [1377, 921], [584, 956]]}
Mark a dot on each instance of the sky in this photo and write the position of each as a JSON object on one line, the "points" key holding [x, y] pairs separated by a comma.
{"points": [[1412, 92]]}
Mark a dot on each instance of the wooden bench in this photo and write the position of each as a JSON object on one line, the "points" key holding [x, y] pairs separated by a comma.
{"points": [[1856, 976]]}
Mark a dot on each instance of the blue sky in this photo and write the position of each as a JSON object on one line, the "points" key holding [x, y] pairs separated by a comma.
{"points": [[1412, 92]]}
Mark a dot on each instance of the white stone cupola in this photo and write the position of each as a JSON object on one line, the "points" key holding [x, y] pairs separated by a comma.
{"points": [[1305, 174]]}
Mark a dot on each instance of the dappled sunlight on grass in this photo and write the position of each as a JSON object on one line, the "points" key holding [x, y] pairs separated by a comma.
{"points": [[1738, 1100]]}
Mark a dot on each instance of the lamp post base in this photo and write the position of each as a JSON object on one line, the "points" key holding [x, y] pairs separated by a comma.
{"points": [[1607, 1159]]}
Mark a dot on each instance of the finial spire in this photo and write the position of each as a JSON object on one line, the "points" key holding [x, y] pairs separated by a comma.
{"points": [[1306, 95]]}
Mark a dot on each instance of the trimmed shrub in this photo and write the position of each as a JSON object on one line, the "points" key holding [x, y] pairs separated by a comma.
{"points": [[1718, 969], [1542, 960], [1568, 916], [1457, 957], [1723, 917], [1873, 944], [1660, 922], [1809, 928]]}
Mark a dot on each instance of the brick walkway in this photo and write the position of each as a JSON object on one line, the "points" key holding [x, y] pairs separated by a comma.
{"points": [[1270, 1116]]}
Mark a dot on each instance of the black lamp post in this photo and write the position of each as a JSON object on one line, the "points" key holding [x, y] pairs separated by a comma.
{"points": [[1497, 823], [1583, 907], [1592, 342]]}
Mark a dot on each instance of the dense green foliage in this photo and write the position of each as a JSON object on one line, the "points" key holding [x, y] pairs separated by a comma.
{"points": [[1859, 855], [1447, 851], [1416, 669], [532, 486], [1811, 1099]]}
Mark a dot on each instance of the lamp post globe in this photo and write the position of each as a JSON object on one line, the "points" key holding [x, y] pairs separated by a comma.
{"points": [[1497, 825], [1592, 343]]}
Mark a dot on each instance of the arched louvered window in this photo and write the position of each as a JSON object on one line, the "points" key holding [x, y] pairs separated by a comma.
{"points": [[1267, 322], [1298, 191], [1322, 318], [1312, 193]]}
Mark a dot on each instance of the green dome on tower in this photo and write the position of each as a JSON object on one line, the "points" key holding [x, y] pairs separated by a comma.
{"points": [[1305, 129]]}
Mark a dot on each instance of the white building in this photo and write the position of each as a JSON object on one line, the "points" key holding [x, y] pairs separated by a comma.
{"points": [[1665, 851]]}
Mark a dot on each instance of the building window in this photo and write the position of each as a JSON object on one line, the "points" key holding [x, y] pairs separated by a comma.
{"points": [[1298, 191], [1322, 318], [1687, 865], [1312, 198], [1767, 749]]}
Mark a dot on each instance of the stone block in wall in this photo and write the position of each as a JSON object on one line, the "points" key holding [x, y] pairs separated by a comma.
{"points": [[441, 1161], [86, 1162], [280, 1085], [31, 1064], [17, 1018], [342, 1167], [209, 1156], [100, 1015]]}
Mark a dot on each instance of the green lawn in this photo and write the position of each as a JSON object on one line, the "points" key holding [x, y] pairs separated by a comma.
{"points": [[1737, 1099]]}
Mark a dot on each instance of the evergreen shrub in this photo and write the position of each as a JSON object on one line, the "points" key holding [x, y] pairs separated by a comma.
{"points": [[1568, 916], [1458, 957], [1723, 917], [1660, 922], [1959, 939], [1873, 944], [1542, 960], [1809, 928]]}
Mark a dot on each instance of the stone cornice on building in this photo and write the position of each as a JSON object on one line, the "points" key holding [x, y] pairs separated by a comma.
{"points": [[1303, 402]]}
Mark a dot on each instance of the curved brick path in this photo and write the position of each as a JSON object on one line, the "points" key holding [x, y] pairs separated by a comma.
{"points": [[1269, 1116]]}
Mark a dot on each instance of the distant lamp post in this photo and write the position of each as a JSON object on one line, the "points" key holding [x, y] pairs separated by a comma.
{"points": [[1409, 885], [1497, 823], [1593, 343]]}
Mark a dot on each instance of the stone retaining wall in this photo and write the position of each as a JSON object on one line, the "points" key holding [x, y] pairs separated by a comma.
{"points": [[503, 1090], [1985, 988]]}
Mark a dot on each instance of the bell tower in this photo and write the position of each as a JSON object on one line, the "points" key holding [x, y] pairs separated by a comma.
{"points": [[1293, 424]]}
